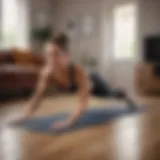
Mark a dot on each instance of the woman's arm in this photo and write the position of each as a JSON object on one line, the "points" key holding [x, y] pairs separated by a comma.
{"points": [[43, 79], [83, 94], [41, 85], [40, 88], [83, 98], [36, 98]]}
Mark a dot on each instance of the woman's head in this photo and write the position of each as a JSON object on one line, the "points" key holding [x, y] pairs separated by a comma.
{"points": [[61, 40]]}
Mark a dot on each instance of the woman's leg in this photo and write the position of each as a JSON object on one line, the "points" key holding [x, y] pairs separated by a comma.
{"points": [[120, 94], [100, 87]]}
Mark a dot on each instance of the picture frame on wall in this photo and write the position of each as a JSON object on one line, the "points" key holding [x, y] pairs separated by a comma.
{"points": [[88, 25], [72, 28], [71, 25]]}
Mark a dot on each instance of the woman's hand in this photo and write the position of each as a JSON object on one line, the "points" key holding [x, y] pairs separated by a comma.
{"points": [[19, 119], [22, 116], [61, 125]]}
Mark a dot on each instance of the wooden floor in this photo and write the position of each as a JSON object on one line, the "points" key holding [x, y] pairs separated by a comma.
{"points": [[135, 137]]}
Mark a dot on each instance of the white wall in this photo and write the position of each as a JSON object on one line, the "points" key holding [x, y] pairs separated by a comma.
{"points": [[149, 20], [76, 10], [46, 8], [119, 72], [122, 73], [100, 44]]}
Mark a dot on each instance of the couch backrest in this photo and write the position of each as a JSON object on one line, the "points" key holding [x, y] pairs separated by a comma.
{"points": [[6, 57], [21, 57], [27, 57]]}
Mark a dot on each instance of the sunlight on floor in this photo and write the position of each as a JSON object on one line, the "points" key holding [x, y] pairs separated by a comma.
{"points": [[127, 138], [10, 144]]}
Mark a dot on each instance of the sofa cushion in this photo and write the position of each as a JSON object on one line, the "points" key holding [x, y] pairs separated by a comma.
{"points": [[23, 57], [15, 76], [11, 68], [6, 57]]}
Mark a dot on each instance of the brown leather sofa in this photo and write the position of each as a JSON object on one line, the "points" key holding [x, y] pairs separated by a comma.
{"points": [[17, 77]]}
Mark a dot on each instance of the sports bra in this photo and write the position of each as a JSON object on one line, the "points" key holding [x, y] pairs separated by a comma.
{"points": [[73, 84]]}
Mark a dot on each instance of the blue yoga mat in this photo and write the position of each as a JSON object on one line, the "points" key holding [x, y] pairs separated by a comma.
{"points": [[90, 118]]}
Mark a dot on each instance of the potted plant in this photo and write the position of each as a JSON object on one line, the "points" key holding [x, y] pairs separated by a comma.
{"points": [[41, 35]]}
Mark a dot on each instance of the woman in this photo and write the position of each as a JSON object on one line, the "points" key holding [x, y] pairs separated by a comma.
{"points": [[59, 70]]}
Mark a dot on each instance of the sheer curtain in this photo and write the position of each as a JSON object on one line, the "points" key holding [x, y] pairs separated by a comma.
{"points": [[15, 23]]}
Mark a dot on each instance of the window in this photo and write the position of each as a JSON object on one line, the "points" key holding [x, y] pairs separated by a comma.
{"points": [[125, 31], [14, 23]]}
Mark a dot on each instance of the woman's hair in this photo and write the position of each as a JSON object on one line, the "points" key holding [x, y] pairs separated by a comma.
{"points": [[61, 39]]}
